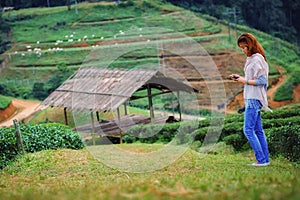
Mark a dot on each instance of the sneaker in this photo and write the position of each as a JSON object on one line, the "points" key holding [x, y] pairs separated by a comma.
{"points": [[257, 164]]}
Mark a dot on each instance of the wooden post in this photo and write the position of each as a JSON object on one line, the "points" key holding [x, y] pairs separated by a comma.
{"points": [[98, 117], [93, 128], [125, 108], [179, 107], [66, 117], [119, 124], [172, 102], [18, 137], [150, 102], [119, 116]]}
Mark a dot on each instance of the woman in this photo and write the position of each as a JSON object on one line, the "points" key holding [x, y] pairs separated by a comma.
{"points": [[255, 87]]}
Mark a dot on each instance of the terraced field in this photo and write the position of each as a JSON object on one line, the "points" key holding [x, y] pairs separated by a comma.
{"points": [[131, 35]]}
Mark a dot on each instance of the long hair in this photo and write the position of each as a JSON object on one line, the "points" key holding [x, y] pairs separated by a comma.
{"points": [[253, 45]]}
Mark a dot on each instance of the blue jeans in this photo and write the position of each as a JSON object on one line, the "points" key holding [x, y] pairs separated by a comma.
{"points": [[254, 132]]}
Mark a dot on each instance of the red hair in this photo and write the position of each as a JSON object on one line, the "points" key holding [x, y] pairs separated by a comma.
{"points": [[253, 45]]}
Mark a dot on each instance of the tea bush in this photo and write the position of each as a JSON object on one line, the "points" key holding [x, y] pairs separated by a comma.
{"points": [[285, 141], [36, 138], [281, 127]]}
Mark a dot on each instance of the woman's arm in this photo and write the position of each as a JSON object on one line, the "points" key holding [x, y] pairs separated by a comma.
{"points": [[256, 82]]}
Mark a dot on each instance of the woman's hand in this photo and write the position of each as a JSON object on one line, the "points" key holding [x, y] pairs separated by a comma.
{"points": [[238, 78]]}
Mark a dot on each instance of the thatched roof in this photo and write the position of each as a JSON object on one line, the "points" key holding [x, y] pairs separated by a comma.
{"points": [[99, 89]]}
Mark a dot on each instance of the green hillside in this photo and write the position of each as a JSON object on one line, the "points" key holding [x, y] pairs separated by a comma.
{"points": [[69, 174], [49, 44]]}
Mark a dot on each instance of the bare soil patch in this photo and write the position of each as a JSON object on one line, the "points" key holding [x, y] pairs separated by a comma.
{"points": [[23, 109]]}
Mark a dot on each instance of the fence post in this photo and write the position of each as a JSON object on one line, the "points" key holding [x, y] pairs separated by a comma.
{"points": [[18, 137]]}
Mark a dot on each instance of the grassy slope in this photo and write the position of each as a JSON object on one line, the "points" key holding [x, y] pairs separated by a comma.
{"points": [[4, 102], [69, 174]]}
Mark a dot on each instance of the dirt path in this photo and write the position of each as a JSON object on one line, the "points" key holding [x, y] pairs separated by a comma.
{"points": [[25, 108]]}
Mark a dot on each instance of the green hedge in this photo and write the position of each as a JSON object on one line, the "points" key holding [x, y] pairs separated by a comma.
{"points": [[36, 138], [281, 128], [163, 132], [279, 122], [285, 141]]}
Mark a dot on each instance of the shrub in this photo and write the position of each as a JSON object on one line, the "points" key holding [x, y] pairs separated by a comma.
{"points": [[279, 122], [158, 133], [161, 132], [281, 128], [129, 139], [200, 134], [38, 91], [234, 118], [232, 128], [285, 141], [237, 141], [4, 102], [8, 147], [282, 113], [37, 138]]}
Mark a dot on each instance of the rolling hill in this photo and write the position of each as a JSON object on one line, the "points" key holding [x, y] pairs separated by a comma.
{"points": [[49, 44]]}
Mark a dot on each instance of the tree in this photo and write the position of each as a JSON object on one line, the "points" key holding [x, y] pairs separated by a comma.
{"points": [[4, 31], [276, 17], [38, 91]]}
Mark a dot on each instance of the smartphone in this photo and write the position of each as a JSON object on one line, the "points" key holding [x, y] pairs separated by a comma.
{"points": [[233, 76]]}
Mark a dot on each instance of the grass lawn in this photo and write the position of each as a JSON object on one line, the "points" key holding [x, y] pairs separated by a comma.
{"points": [[70, 174]]}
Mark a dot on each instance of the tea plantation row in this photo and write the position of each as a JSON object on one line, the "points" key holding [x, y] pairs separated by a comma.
{"points": [[282, 129], [37, 138]]}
